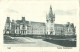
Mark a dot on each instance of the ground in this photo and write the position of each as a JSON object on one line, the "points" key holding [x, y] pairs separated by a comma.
{"points": [[27, 41]]}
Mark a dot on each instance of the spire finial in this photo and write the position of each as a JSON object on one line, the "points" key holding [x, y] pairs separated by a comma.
{"points": [[50, 11], [50, 6]]}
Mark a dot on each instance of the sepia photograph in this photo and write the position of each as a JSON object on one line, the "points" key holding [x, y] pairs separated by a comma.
{"points": [[33, 33], [40, 23]]}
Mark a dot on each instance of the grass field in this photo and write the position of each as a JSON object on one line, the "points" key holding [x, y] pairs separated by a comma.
{"points": [[65, 43]]}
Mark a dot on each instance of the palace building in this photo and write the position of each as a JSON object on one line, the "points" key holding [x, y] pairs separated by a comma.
{"points": [[24, 27]]}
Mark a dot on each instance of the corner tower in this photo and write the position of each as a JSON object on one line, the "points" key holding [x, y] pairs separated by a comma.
{"points": [[7, 26], [50, 18]]}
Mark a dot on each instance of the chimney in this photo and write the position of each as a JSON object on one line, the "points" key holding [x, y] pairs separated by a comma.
{"points": [[68, 23], [8, 20], [23, 18]]}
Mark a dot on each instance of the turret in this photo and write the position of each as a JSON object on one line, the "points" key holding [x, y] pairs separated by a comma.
{"points": [[7, 26]]}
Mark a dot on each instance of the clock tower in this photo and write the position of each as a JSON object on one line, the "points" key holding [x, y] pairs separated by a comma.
{"points": [[50, 18]]}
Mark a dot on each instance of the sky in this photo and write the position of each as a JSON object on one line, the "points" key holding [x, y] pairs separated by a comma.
{"points": [[36, 10]]}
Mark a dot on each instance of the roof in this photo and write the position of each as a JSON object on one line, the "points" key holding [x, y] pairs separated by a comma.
{"points": [[32, 23], [20, 22], [37, 23], [59, 25]]}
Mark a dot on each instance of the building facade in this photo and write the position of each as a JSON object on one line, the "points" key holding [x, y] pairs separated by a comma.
{"points": [[23, 27]]}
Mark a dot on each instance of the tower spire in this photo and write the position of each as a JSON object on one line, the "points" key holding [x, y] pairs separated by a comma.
{"points": [[50, 12], [50, 7]]}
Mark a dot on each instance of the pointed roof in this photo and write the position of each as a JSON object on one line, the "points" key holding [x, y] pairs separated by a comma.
{"points": [[51, 12], [50, 7]]}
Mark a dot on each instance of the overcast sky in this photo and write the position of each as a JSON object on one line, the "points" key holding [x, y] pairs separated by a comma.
{"points": [[65, 10]]}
